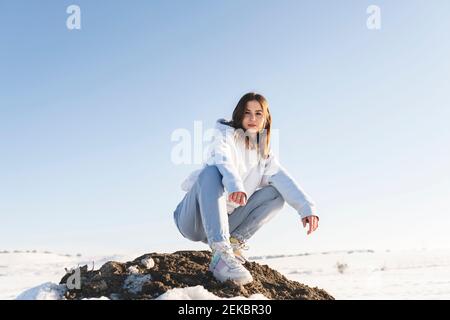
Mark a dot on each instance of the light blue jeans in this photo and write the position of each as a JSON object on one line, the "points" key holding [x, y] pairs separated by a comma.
{"points": [[202, 214]]}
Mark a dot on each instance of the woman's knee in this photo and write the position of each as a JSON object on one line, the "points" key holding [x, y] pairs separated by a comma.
{"points": [[211, 171], [278, 202], [196, 238], [271, 192], [191, 232], [274, 196], [210, 174]]}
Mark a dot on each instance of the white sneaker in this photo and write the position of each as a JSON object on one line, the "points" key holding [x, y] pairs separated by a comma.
{"points": [[224, 265], [238, 246]]}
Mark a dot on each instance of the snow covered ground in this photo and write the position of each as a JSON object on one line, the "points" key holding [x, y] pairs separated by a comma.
{"points": [[361, 274], [20, 271], [367, 274]]}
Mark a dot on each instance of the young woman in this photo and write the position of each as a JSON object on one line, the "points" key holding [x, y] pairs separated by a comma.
{"points": [[239, 189]]}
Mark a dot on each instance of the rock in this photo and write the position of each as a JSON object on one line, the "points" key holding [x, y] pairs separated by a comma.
{"points": [[133, 270], [148, 263], [112, 267], [151, 275]]}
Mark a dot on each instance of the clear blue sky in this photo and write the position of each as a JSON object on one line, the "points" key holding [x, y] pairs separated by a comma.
{"points": [[86, 117]]}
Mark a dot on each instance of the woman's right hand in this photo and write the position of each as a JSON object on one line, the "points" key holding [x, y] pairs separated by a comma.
{"points": [[238, 197]]}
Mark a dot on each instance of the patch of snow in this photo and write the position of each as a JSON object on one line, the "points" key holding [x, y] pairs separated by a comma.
{"points": [[46, 291], [134, 282], [200, 293]]}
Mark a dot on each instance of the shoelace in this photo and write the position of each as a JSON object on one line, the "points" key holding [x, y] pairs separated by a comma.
{"points": [[230, 259], [240, 246]]}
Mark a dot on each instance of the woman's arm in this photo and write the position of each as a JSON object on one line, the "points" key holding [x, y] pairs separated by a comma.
{"points": [[276, 175], [221, 155], [292, 193]]}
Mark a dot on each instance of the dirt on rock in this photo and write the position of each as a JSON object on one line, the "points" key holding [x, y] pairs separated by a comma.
{"points": [[151, 275]]}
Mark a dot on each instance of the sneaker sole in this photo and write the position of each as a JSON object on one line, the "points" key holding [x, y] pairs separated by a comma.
{"points": [[241, 281]]}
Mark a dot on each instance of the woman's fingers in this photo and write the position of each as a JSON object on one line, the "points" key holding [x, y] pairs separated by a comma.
{"points": [[241, 198], [311, 225], [238, 197], [244, 199]]}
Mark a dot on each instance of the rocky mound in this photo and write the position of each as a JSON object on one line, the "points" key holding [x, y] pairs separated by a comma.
{"points": [[152, 274]]}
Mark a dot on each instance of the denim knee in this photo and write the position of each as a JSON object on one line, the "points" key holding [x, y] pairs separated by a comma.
{"points": [[273, 195], [209, 174], [271, 192]]}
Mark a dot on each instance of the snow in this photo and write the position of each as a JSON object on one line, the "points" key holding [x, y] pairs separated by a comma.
{"points": [[365, 274], [394, 275], [199, 293], [20, 271], [46, 291], [134, 282]]}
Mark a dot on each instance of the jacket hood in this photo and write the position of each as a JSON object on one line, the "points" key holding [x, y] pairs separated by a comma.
{"points": [[224, 128], [222, 123]]}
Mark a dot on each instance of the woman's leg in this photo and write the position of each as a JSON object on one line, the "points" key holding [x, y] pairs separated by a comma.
{"points": [[202, 215], [260, 208]]}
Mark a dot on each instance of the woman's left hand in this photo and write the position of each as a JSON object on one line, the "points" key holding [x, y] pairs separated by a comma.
{"points": [[313, 223]]}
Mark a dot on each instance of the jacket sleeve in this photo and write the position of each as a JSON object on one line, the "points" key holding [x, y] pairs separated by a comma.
{"points": [[275, 174], [221, 155]]}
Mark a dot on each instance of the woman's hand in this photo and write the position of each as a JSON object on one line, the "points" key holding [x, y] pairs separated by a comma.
{"points": [[238, 197], [313, 223]]}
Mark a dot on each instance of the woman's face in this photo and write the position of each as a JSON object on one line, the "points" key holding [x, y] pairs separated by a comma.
{"points": [[253, 120]]}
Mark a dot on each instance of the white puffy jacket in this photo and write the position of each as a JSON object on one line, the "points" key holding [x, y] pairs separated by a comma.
{"points": [[228, 154]]}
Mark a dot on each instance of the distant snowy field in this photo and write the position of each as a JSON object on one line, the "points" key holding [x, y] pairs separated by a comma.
{"points": [[360, 274], [411, 274]]}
